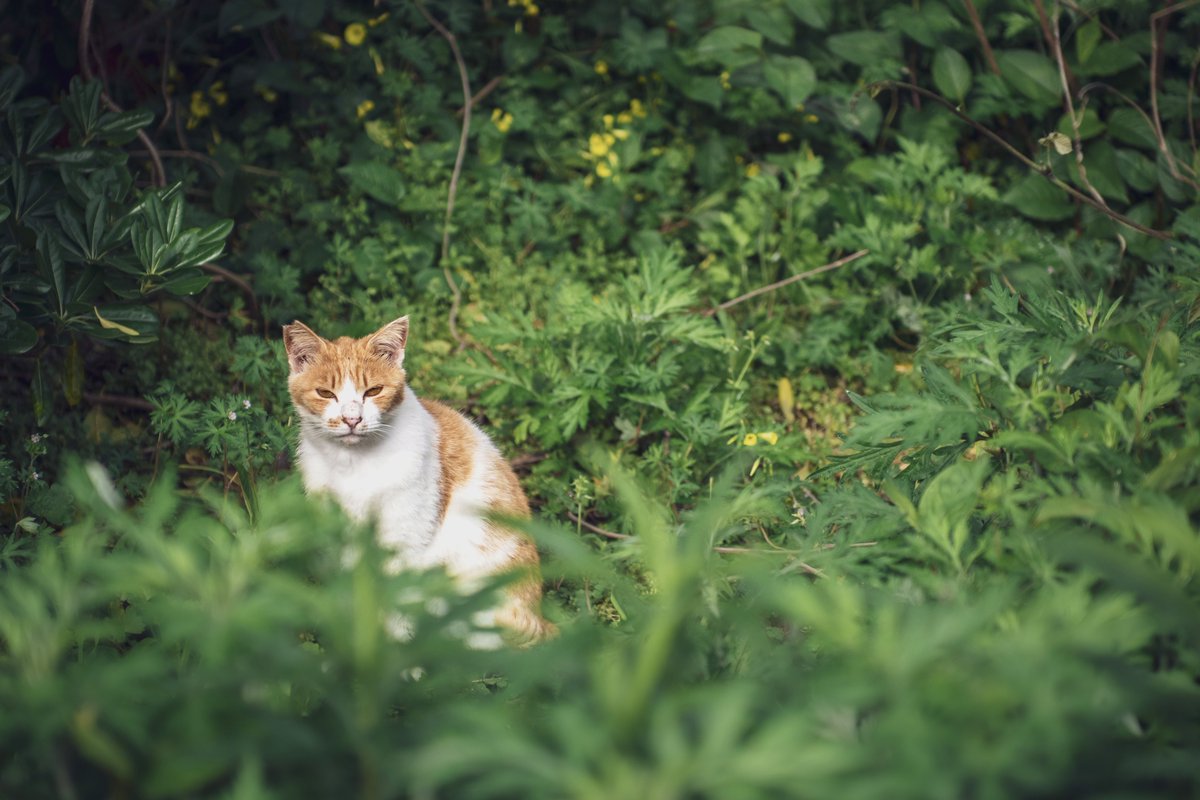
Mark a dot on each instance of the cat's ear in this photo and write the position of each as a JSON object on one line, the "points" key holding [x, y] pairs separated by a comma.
{"points": [[389, 341], [302, 345]]}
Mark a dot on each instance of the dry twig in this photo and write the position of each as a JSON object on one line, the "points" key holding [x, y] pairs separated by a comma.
{"points": [[85, 65], [841, 262], [456, 300]]}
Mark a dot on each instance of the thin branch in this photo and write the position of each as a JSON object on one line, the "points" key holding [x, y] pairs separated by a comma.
{"points": [[1024, 159], [487, 89], [1055, 41], [1155, 56], [456, 300], [981, 35], [238, 281], [841, 262], [85, 64]]}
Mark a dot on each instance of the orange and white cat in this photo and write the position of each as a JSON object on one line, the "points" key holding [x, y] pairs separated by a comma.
{"points": [[424, 474]]}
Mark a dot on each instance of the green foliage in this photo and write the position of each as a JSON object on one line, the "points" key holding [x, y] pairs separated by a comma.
{"points": [[921, 525]]}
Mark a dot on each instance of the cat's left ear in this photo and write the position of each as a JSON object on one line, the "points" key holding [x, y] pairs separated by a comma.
{"points": [[389, 341]]}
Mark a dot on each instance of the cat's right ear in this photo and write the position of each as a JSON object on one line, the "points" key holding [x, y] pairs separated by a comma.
{"points": [[302, 345]]}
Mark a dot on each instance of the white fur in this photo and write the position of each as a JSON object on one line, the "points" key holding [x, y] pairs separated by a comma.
{"points": [[393, 479]]}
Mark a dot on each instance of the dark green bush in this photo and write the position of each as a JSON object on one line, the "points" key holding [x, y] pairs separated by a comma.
{"points": [[920, 525]]}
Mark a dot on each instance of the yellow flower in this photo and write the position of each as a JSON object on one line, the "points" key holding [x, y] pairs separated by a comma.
{"points": [[612, 158], [378, 20], [532, 10], [330, 41], [770, 437], [597, 146], [603, 170], [608, 121], [620, 133], [356, 34], [725, 84], [199, 108], [811, 118], [601, 67], [787, 399], [218, 94], [624, 118], [364, 108], [750, 439], [784, 137], [502, 120], [752, 170], [636, 108]]}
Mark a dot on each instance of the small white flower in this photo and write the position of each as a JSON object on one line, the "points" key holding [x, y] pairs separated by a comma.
{"points": [[35, 438], [246, 404], [1049, 270], [37, 476], [967, 296], [232, 416]]}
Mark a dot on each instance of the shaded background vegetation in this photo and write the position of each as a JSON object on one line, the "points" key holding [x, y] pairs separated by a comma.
{"points": [[922, 523]]}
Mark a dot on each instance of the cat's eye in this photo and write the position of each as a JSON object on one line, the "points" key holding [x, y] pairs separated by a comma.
{"points": [[328, 395], [374, 390]]}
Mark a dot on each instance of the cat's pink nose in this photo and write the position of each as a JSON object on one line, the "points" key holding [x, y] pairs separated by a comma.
{"points": [[351, 421]]}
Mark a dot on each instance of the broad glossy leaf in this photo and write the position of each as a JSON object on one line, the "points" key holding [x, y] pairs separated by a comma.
{"points": [[813, 13], [951, 74], [1036, 197], [1086, 38], [1100, 162], [865, 48], [1032, 74], [730, 45], [382, 181], [792, 77], [119, 128], [16, 335]]}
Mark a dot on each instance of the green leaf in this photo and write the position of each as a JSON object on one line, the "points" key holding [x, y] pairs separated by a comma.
{"points": [[72, 375], [108, 324], [1037, 198], [1086, 39], [1089, 125], [376, 179], [1110, 58], [119, 128], [792, 77], [41, 394], [186, 281], [951, 74], [134, 322], [865, 48], [1137, 170], [1129, 127], [1100, 162], [1032, 74], [730, 45], [813, 13], [11, 81], [704, 89], [16, 336], [944, 510]]}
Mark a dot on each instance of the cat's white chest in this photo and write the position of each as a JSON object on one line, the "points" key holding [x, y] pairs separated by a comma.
{"points": [[394, 482]]}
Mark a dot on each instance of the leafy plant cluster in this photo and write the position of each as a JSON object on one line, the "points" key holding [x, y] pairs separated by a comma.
{"points": [[919, 524]]}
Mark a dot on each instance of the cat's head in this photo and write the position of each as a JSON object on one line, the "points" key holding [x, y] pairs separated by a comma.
{"points": [[346, 389]]}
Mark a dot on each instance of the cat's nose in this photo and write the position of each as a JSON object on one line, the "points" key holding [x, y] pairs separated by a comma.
{"points": [[352, 414]]}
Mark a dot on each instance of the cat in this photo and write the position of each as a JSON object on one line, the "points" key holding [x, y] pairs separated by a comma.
{"points": [[426, 475]]}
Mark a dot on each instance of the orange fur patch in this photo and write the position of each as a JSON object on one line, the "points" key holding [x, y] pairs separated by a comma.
{"points": [[327, 365]]}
